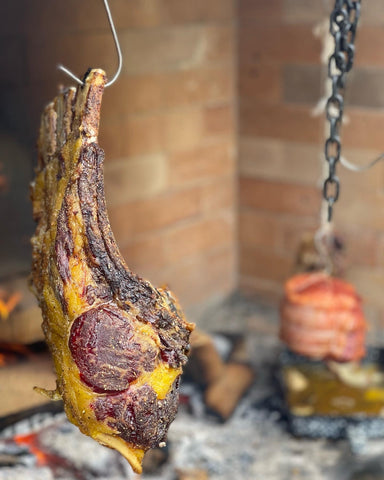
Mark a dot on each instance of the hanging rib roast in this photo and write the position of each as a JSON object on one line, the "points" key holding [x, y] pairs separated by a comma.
{"points": [[118, 343]]}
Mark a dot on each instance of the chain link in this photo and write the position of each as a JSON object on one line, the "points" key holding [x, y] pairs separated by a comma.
{"points": [[343, 25]]}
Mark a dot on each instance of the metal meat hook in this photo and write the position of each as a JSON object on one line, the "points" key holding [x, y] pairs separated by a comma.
{"points": [[118, 50]]}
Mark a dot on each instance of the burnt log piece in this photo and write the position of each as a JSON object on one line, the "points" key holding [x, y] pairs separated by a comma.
{"points": [[223, 396], [205, 365]]}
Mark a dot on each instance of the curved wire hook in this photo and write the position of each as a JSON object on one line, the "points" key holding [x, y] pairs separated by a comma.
{"points": [[360, 168], [118, 50]]}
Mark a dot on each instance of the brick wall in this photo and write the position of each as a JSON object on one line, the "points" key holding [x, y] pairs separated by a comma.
{"points": [[170, 135], [167, 125], [281, 79]]}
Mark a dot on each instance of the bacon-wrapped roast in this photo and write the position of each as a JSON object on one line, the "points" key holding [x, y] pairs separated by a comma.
{"points": [[118, 343], [322, 317]]}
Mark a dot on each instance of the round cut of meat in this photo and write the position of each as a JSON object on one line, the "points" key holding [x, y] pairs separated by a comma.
{"points": [[109, 351]]}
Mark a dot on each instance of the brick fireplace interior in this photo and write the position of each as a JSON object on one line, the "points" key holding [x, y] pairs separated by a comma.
{"points": [[213, 140]]}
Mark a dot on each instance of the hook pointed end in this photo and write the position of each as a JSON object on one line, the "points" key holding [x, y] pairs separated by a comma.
{"points": [[70, 74]]}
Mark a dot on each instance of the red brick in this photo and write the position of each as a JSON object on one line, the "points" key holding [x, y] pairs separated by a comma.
{"points": [[46, 17], [199, 236], [263, 44], [302, 11], [142, 134], [260, 11], [219, 120], [264, 264], [369, 282], [365, 89], [154, 214], [159, 50], [182, 129], [368, 182], [220, 44], [202, 162], [279, 197], [364, 129], [260, 82], [220, 194], [175, 11], [363, 212], [144, 51], [202, 277], [85, 15], [134, 178], [380, 249], [197, 86], [111, 138], [302, 84], [176, 48], [145, 255], [148, 93], [153, 13], [172, 131], [366, 53], [258, 229], [133, 94], [372, 12], [285, 122], [361, 245], [275, 159], [373, 316], [265, 291], [45, 53]]}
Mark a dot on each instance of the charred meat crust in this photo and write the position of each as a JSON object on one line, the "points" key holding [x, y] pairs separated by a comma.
{"points": [[139, 406], [127, 287], [118, 343]]}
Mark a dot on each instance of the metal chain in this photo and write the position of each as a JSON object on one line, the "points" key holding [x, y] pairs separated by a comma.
{"points": [[343, 25]]}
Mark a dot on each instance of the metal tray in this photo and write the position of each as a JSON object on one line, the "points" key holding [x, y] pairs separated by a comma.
{"points": [[356, 429]]}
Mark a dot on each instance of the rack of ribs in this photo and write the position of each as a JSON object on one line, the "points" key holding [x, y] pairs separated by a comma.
{"points": [[118, 343]]}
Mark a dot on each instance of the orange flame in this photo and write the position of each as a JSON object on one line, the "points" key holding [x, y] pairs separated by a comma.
{"points": [[31, 441], [7, 305], [46, 458]]}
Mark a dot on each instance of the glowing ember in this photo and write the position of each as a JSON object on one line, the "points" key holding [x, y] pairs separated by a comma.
{"points": [[44, 457], [3, 180], [11, 353], [32, 442], [8, 302], [2, 360]]}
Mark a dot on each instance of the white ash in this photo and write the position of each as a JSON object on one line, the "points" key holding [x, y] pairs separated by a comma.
{"points": [[24, 473], [223, 345], [82, 451], [251, 445], [32, 424], [79, 452]]}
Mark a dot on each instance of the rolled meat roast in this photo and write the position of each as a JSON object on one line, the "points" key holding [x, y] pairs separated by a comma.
{"points": [[322, 317]]}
